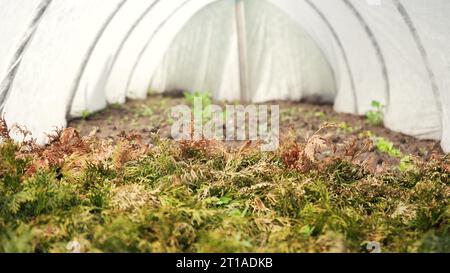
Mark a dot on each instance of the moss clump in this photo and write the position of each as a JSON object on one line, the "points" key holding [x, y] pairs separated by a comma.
{"points": [[93, 195]]}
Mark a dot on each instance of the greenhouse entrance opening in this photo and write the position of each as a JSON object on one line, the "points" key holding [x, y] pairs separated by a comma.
{"points": [[245, 50]]}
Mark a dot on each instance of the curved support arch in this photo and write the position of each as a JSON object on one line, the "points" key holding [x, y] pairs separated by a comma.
{"points": [[341, 48], [432, 34], [88, 56], [198, 41], [91, 94], [409, 78], [297, 68], [136, 88], [423, 52], [52, 62], [140, 92], [373, 63], [116, 88], [332, 33], [377, 48], [18, 42]]}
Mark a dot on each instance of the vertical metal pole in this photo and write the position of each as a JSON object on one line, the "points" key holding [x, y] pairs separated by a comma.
{"points": [[242, 48]]}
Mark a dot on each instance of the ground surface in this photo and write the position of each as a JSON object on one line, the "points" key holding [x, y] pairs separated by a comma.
{"points": [[328, 188], [302, 119]]}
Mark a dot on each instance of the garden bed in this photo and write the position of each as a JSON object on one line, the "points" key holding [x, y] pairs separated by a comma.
{"points": [[336, 184]]}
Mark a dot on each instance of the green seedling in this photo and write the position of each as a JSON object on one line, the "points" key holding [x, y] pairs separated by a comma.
{"points": [[376, 115], [85, 114], [387, 147]]}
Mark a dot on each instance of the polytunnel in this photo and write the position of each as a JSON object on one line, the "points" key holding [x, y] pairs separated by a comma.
{"points": [[61, 58]]}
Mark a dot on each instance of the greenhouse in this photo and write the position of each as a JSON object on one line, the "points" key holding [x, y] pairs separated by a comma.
{"points": [[359, 92], [75, 56]]}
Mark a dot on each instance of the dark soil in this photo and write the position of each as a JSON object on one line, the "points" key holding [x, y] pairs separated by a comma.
{"points": [[152, 116]]}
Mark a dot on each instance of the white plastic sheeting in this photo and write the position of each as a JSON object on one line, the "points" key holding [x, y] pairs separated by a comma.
{"points": [[194, 51], [90, 95], [60, 58], [51, 66], [275, 45], [283, 60], [15, 32]]}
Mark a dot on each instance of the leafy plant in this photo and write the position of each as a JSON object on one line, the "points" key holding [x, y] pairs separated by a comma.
{"points": [[85, 114], [346, 128], [376, 115], [387, 147], [319, 114], [204, 97], [116, 106], [145, 111], [225, 200], [406, 164]]}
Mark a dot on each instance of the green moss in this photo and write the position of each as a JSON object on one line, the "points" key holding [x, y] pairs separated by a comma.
{"points": [[235, 202]]}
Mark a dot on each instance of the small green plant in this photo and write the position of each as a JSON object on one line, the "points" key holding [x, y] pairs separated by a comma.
{"points": [[116, 106], [346, 128], [206, 99], [376, 115], [288, 114], [145, 111], [319, 115], [387, 147], [367, 133], [85, 114], [406, 164], [191, 97], [225, 200]]}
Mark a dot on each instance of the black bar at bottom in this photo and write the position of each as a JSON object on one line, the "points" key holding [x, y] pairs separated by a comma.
{"points": [[221, 262]]}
